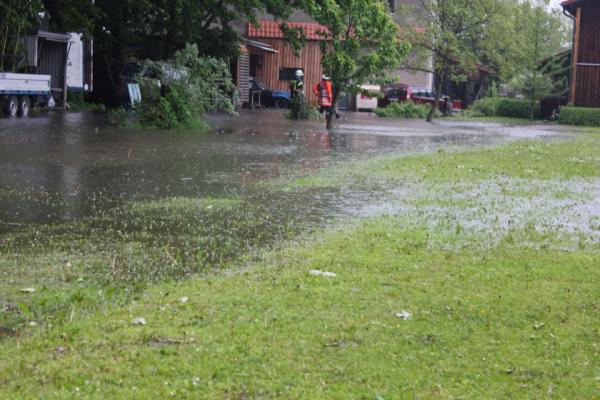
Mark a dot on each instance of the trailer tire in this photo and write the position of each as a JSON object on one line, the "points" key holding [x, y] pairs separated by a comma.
{"points": [[281, 103], [24, 106], [11, 106]]}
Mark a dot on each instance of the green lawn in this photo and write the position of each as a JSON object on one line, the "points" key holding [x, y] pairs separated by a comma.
{"points": [[495, 119], [513, 317]]}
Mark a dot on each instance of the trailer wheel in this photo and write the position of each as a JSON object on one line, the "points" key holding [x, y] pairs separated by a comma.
{"points": [[12, 106], [281, 103], [24, 105]]}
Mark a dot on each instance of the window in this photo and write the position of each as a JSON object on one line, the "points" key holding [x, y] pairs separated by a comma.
{"points": [[287, 74]]}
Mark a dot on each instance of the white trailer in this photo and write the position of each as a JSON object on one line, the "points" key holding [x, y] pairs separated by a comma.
{"points": [[18, 92]]}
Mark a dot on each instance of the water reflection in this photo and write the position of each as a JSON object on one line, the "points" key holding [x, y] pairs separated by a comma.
{"points": [[58, 166]]}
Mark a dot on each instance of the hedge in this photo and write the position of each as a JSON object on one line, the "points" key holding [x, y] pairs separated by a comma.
{"points": [[504, 107], [404, 109], [579, 116]]}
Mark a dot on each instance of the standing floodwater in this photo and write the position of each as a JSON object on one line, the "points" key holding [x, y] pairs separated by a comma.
{"points": [[58, 166], [95, 212]]}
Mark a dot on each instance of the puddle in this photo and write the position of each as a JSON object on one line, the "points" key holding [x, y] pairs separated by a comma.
{"points": [[65, 167], [61, 166]]}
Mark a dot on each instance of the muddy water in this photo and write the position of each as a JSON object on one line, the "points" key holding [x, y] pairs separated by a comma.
{"points": [[60, 166]]}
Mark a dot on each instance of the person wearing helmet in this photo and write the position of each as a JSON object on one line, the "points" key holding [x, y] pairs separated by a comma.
{"points": [[324, 91], [297, 84]]}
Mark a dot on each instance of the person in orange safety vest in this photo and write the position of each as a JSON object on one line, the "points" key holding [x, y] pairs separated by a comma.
{"points": [[324, 91]]}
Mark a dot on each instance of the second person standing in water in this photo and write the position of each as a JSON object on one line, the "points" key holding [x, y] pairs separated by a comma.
{"points": [[324, 91]]}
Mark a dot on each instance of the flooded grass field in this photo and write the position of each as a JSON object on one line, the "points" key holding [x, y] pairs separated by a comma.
{"points": [[100, 226]]}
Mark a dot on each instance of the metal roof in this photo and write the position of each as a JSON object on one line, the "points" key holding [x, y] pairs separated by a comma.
{"points": [[260, 46], [51, 36]]}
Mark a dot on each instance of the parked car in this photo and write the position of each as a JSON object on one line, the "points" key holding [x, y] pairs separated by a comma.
{"points": [[422, 95], [394, 93], [402, 92], [270, 98]]}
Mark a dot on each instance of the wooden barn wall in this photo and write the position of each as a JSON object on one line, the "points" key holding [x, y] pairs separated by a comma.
{"points": [[588, 87], [309, 61], [587, 84]]}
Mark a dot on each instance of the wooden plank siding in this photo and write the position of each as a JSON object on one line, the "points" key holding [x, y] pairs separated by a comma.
{"points": [[587, 86], [309, 61], [586, 54]]}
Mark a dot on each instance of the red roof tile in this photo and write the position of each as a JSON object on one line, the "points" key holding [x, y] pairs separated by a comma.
{"points": [[270, 29]]}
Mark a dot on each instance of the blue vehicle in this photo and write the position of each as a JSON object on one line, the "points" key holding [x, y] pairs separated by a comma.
{"points": [[271, 98]]}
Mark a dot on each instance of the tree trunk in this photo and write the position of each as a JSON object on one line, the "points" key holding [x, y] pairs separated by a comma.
{"points": [[171, 31], [531, 110], [16, 48], [436, 102], [331, 113]]}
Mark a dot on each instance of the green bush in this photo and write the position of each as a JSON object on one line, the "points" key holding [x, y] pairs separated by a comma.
{"points": [[118, 116], [176, 94], [405, 109], [579, 116], [516, 108], [487, 106], [173, 111], [504, 107], [299, 108], [78, 101]]}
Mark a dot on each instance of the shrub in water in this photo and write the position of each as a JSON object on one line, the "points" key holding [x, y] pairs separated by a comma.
{"points": [[405, 109], [118, 116], [179, 92], [579, 116], [299, 108]]}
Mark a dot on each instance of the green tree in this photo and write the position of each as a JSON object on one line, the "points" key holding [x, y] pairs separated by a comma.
{"points": [[15, 17], [542, 33], [154, 29], [452, 34], [191, 86], [360, 42], [71, 15]]}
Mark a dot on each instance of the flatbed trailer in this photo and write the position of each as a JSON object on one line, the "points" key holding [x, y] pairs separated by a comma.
{"points": [[19, 92]]}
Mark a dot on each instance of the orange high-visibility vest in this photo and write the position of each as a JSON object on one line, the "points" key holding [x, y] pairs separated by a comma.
{"points": [[324, 90]]}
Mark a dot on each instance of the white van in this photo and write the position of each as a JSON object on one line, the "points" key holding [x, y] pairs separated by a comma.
{"points": [[366, 102]]}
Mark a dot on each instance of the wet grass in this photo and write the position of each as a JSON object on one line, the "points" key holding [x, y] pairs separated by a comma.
{"points": [[526, 159], [115, 255], [499, 309], [498, 323], [498, 120]]}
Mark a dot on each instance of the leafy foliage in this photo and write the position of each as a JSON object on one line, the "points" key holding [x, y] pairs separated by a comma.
{"points": [[517, 29], [15, 18], [359, 43], [579, 116], [405, 109], [541, 37], [504, 107], [510, 36], [452, 30], [190, 86], [299, 108]]}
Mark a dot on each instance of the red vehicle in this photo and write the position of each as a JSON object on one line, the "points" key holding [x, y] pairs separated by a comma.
{"points": [[401, 92]]}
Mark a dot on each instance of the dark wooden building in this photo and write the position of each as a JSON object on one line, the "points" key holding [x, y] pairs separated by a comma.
{"points": [[585, 73]]}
